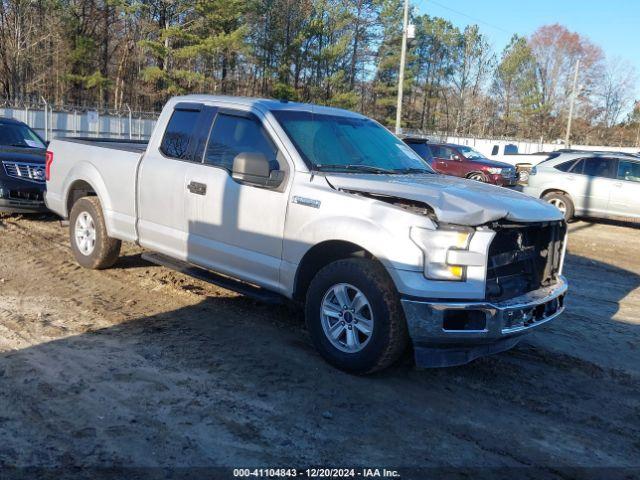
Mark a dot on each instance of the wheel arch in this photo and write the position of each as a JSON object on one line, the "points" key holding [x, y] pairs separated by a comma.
{"points": [[555, 190], [77, 190], [321, 255]]}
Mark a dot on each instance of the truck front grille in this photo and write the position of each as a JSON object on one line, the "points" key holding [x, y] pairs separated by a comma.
{"points": [[523, 258], [31, 172]]}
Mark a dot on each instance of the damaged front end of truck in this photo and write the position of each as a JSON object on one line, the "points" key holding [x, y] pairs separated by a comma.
{"points": [[513, 244]]}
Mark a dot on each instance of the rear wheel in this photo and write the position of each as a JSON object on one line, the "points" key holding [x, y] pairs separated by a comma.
{"points": [[91, 246], [354, 315], [562, 202]]}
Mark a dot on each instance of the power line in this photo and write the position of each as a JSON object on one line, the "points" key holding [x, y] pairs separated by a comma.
{"points": [[470, 17]]}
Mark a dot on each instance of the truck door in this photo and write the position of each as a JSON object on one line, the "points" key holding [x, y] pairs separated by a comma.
{"points": [[233, 227], [161, 184]]}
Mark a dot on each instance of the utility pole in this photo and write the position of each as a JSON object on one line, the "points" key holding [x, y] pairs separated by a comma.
{"points": [[403, 56], [574, 94]]}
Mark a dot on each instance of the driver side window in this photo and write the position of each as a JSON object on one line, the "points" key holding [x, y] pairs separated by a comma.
{"points": [[232, 135]]}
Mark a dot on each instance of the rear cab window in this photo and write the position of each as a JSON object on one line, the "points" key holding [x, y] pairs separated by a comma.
{"points": [[179, 132], [510, 149]]}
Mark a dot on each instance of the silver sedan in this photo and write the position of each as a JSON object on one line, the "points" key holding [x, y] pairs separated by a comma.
{"points": [[602, 185]]}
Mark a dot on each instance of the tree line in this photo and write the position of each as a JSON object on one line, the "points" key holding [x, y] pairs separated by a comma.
{"points": [[345, 53]]}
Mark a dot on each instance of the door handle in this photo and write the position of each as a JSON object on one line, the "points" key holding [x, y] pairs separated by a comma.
{"points": [[197, 188]]}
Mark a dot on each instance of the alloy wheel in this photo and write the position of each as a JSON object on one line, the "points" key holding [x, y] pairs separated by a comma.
{"points": [[85, 233], [347, 318]]}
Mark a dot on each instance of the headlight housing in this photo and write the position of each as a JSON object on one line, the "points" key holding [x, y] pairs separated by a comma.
{"points": [[436, 246], [505, 172]]}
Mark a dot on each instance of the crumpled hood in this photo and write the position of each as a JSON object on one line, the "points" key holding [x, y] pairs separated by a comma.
{"points": [[454, 200]]}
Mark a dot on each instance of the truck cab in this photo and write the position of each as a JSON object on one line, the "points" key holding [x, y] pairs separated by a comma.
{"points": [[328, 209]]}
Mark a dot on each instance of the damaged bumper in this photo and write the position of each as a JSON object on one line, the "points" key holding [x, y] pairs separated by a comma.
{"points": [[454, 333]]}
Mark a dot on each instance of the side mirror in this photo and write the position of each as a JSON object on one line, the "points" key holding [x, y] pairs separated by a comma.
{"points": [[253, 168], [457, 158]]}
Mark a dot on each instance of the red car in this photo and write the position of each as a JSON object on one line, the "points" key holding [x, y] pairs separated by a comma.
{"points": [[463, 161]]}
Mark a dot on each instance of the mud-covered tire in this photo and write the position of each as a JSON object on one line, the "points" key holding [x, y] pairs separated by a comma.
{"points": [[562, 202], [100, 251], [389, 336]]}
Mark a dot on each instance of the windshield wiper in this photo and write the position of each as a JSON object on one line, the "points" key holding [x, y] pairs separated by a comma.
{"points": [[354, 168], [412, 170]]}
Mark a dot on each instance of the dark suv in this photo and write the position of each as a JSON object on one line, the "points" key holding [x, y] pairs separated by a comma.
{"points": [[463, 161], [22, 168]]}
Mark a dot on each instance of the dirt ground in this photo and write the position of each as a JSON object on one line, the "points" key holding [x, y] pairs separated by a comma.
{"points": [[138, 366]]}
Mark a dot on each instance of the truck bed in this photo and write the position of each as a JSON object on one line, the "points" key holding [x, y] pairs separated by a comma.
{"points": [[135, 146], [109, 167]]}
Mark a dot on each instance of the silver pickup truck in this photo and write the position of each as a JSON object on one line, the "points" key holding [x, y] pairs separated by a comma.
{"points": [[326, 208]]}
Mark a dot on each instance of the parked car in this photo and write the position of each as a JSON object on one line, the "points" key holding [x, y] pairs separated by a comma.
{"points": [[464, 161], [327, 208], [601, 185], [22, 155]]}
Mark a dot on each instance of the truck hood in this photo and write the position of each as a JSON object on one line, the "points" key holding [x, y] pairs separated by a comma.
{"points": [[453, 200]]}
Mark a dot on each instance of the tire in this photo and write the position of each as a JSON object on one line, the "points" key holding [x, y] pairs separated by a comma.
{"points": [[477, 176], [563, 202], [382, 316], [91, 246]]}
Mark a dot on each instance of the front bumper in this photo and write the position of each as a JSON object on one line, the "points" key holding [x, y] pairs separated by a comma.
{"points": [[455, 333], [502, 181], [21, 197]]}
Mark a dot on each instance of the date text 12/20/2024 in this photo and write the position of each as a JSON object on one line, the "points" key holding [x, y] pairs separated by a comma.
{"points": [[316, 473]]}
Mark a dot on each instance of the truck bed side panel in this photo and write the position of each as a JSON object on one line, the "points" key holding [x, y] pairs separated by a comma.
{"points": [[110, 172]]}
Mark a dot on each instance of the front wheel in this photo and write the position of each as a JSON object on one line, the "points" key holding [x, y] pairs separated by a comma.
{"points": [[354, 316], [91, 246], [479, 177]]}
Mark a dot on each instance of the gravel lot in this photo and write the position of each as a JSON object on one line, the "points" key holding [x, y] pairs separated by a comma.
{"points": [[138, 366]]}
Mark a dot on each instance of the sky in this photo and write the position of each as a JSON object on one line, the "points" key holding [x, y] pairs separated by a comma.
{"points": [[611, 24]]}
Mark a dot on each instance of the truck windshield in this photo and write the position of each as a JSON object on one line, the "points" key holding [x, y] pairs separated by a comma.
{"points": [[348, 144], [16, 135]]}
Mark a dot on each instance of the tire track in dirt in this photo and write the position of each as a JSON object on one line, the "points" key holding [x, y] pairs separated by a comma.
{"points": [[171, 372]]}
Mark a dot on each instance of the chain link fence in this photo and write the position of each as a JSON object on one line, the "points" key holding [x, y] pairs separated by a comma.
{"points": [[63, 120]]}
